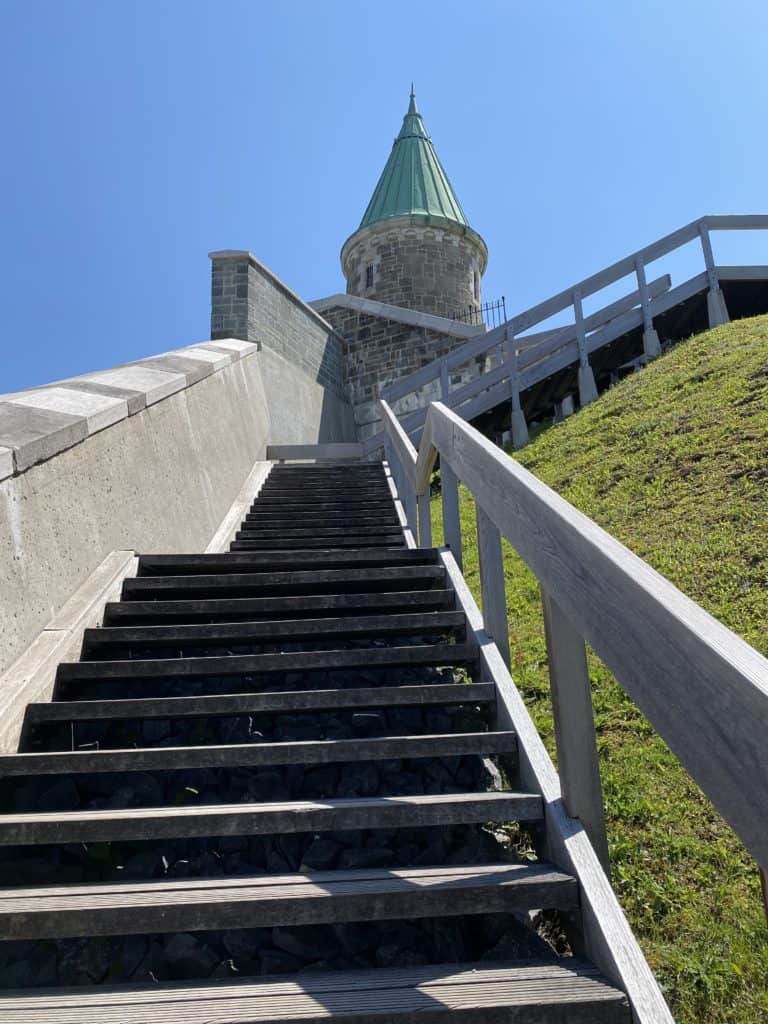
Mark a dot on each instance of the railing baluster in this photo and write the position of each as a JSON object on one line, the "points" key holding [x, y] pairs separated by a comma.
{"points": [[716, 308], [517, 418], [575, 725], [651, 343], [445, 383], [586, 378], [449, 487], [494, 599], [425, 520]]}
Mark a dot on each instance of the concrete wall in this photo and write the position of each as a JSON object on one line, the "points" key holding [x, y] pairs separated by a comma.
{"points": [[146, 457]]}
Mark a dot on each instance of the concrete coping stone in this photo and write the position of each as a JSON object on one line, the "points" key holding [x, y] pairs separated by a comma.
{"points": [[98, 411], [6, 463], [135, 400], [400, 314], [38, 423]]}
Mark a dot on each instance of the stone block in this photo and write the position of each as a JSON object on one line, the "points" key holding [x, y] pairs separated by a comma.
{"points": [[98, 411], [36, 434], [135, 400], [235, 345], [218, 360], [193, 369]]}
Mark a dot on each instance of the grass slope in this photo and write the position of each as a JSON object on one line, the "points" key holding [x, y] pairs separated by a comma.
{"points": [[673, 462]]}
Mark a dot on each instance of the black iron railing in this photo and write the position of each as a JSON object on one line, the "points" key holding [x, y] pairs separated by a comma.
{"points": [[490, 313]]}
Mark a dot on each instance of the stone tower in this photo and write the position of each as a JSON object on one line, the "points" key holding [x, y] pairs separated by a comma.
{"points": [[414, 247], [412, 266]]}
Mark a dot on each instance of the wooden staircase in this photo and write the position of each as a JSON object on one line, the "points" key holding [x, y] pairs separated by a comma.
{"points": [[264, 795]]}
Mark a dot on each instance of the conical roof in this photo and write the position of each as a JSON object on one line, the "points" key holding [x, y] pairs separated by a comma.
{"points": [[413, 180]]}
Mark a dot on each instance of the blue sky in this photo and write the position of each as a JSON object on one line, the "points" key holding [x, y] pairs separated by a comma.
{"points": [[141, 135]]}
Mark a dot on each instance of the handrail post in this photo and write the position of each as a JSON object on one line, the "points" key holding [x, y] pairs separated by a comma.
{"points": [[405, 492], [425, 520], [651, 343], [445, 383], [717, 310], [575, 726], [494, 599], [518, 424], [586, 377], [449, 490]]}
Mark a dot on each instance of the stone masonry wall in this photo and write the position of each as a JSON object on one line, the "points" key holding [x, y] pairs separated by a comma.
{"points": [[425, 268], [249, 302], [379, 351]]}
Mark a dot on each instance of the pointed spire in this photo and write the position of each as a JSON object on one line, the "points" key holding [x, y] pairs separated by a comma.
{"points": [[413, 180]]}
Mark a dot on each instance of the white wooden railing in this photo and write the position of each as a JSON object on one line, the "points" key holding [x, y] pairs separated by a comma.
{"points": [[522, 362], [703, 689]]}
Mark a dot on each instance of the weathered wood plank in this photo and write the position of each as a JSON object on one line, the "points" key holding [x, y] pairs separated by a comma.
{"points": [[253, 703], [254, 755], [230, 609], [267, 819], [577, 760], [493, 592], [267, 901], [296, 629], [570, 992], [296, 661]]}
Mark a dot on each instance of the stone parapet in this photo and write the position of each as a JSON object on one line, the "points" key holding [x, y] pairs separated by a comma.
{"points": [[249, 302]]}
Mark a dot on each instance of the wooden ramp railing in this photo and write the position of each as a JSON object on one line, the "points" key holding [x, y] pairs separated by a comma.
{"points": [[703, 689], [519, 363]]}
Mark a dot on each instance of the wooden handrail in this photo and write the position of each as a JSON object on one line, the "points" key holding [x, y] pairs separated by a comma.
{"points": [[562, 300], [703, 688]]}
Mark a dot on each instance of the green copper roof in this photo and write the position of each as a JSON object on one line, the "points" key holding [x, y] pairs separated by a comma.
{"points": [[413, 180]]}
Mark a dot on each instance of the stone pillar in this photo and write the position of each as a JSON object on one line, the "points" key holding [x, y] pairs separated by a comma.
{"points": [[651, 343], [230, 280]]}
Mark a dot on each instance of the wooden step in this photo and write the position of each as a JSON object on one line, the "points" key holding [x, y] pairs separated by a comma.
{"points": [[270, 608], [257, 755], [268, 901], [325, 488], [190, 822], [255, 703], [294, 630], [238, 664], [517, 992], [329, 502], [296, 547], [299, 582], [301, 532], [226, 562], [303, 521]]}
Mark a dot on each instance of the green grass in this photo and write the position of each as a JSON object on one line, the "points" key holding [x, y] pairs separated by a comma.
{"points": [[674, 462]]}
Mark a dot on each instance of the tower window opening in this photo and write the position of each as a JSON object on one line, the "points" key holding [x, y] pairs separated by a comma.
{"points": [[476, 285], [369, 276]]}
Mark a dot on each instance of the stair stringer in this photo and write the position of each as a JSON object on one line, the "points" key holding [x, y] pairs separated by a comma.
{"points": [[608, 938]]}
